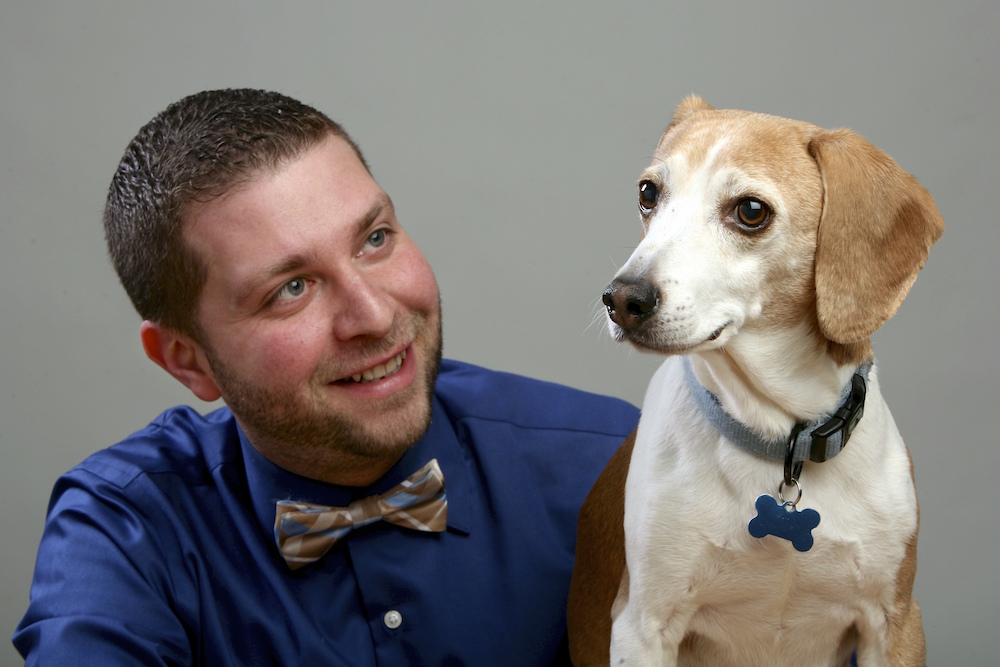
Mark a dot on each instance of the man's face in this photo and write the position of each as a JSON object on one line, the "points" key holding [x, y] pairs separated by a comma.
{"points": [[320, 317]]}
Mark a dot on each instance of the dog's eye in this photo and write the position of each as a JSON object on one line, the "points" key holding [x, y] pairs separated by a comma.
{"points": [[648, 196], [752, 213]]}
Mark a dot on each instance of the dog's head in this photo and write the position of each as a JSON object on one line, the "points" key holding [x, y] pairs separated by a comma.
{"points": [[757, 222]]}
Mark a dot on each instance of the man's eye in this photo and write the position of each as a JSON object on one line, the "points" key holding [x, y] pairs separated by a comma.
{"points": [[377, 239], [292, 289]]}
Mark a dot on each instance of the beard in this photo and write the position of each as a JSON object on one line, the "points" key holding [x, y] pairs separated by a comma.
{"points": [[310, 437]]}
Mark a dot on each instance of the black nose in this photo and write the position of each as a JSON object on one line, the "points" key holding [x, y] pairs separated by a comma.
{"points": [[630, 302]]}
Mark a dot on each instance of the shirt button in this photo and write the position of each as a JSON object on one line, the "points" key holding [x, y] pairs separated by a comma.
{"points": [[392, 619]]}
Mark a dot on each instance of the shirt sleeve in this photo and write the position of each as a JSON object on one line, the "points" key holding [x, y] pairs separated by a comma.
{"points": [[99, 595]]}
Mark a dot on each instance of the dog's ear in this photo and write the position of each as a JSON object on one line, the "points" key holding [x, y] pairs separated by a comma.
{"points": [[688, 106], [876, 229]]}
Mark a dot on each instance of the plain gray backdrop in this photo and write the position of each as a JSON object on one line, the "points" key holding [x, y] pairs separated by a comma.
{"points": [[510, 136]]}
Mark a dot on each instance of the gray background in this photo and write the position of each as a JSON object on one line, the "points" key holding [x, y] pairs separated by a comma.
{"points": [[510, 136]]}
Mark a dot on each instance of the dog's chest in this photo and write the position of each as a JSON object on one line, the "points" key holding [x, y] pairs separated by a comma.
{"points": [[689, 499], [750, 596], [764, 592]]}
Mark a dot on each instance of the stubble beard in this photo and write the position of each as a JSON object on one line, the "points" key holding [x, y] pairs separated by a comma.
{"points": [[312, 439]]}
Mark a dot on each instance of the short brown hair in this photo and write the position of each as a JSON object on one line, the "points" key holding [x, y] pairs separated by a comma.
{"points": [[196, 149]]}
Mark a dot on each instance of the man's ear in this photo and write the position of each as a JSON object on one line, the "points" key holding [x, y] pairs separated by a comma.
{"points": [[180, 356]]}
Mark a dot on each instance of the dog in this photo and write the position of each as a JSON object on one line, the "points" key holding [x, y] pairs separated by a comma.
{"points": [[764, 511]]}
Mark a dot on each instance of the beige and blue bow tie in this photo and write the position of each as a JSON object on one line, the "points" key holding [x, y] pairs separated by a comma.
{"points": [[305, 532]]}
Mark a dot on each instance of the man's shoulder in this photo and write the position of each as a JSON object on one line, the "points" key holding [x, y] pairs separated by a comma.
{"points": [[473, 392], [180, 441]]}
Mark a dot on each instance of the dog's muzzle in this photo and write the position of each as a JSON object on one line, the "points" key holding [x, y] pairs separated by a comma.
{"points": [[630, 302]]}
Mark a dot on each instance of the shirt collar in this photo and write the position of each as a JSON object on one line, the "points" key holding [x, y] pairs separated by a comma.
{"points": [[269, 483]]}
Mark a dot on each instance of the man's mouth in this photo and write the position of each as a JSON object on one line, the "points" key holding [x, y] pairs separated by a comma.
{"points": [[379, 372]]}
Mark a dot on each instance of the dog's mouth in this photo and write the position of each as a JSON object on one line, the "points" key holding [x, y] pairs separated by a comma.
{"points": [[717, 333], [649, 341]]}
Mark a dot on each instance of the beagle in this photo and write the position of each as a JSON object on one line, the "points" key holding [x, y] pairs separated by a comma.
{"points": [[764, 511]]}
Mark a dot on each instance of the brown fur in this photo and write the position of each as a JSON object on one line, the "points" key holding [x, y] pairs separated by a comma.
{"points": [[688, 107], [877, 228], [906, 628], [600, 562]]}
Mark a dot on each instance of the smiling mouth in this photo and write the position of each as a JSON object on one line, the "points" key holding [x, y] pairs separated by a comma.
{"points": [[379, 372]]}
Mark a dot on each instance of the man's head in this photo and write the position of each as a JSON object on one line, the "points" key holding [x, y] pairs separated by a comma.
{"points": [[302, 301], [197, 149]]}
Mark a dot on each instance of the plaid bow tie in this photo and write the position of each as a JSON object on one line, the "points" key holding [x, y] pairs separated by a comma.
{"points": [[305, 532]]}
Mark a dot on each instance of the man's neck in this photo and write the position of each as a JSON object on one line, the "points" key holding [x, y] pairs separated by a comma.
{"points": [[328, 465]]}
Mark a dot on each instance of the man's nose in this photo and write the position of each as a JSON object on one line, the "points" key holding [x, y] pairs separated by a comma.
{"points": [[363, 309]]}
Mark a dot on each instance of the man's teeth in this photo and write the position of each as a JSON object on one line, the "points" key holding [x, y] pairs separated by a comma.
{"points": [[382, 370]]}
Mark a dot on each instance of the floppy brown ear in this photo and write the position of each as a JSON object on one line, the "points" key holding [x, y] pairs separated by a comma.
{"points": [[877, 227]]}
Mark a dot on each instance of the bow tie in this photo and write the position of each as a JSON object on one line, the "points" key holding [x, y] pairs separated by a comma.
{"points": [[305, 532]]}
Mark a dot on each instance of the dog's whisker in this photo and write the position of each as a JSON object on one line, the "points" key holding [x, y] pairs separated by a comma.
{"points": [[599, 314]]}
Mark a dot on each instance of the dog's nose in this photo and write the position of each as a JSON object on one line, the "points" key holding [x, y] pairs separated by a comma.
{"points": [[630, 302]]}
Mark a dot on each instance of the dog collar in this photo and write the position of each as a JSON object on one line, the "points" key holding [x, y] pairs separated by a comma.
{"points": [[817, 441]]}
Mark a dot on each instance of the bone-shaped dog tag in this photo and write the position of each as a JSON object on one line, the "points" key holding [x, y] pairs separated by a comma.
{"points": [[784, 521]]}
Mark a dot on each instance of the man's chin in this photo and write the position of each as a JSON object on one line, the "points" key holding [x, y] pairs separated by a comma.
{"points": [[320, 440], [337, 426], [394, 428], [326, 448]]}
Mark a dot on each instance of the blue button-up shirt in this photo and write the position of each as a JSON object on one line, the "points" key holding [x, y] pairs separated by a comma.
{"points": [[160, 550]]}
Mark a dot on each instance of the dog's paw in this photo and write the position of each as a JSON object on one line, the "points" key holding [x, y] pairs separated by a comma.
{"points": [[784, 521]]}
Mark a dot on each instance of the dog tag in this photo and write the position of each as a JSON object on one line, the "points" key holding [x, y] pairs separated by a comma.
{"points": [[784, 521]]}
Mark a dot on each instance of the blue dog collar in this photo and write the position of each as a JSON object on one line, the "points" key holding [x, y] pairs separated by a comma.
{"points": [[818, 441]]}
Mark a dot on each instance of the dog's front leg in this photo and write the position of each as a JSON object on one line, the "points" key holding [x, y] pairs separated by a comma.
{"points": [[641, 636], [896, 641], [873, 645]]}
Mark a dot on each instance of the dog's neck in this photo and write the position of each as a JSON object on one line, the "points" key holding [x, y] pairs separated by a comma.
{"points": [[772, 382]]}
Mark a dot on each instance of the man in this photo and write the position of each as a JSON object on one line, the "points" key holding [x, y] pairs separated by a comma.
{"points": [[270, 270]]}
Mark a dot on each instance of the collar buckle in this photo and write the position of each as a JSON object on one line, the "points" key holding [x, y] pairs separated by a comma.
{"points": [[843, 421]]}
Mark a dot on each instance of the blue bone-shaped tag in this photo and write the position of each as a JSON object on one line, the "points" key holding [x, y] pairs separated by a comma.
{"points": [[784, 521]]}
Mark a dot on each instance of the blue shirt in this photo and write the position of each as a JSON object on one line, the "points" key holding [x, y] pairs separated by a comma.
{"points": [[160, 550]]}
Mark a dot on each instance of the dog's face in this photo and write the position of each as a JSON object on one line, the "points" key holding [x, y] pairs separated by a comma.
{"points": [[729, 210], [735, 209]]}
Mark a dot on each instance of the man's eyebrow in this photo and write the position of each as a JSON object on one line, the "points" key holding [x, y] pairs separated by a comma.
{"points": [[296, 262], [382, 202]]}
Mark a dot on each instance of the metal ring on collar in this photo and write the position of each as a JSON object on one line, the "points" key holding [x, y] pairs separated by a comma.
{"points": [[798, 497]]}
